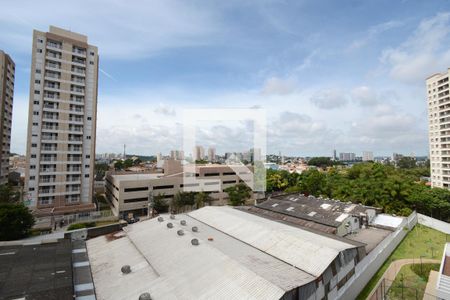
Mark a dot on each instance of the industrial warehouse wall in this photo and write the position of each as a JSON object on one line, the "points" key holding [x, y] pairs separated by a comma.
{"points": [[434, 223], [367, 267]]}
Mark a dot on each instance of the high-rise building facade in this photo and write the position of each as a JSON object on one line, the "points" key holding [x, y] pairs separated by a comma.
{"points": [[199, 153], [7, 69], [61, 122], [367, 156], [438, 98], [211, 154], [347, 156]]}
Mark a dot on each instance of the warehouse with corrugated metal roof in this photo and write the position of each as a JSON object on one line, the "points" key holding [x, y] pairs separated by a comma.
{"points": [[220, 253]]}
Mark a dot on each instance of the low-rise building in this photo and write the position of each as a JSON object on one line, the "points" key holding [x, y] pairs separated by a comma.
{"points": [[220, 253], [333, 216], [132, 192]]}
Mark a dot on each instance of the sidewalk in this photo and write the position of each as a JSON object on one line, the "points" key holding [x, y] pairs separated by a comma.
{"points": [[395, 267]]}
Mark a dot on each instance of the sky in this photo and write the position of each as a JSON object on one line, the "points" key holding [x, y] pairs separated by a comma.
{"points": [[344, 75]]}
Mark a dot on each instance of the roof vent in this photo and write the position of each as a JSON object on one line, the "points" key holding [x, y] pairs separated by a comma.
{"points": [[195, 242], [126, 269], [195, 229], [160, 219], [169, 225], [180, 232], [172, 217], [183, 222], [145, 296]]}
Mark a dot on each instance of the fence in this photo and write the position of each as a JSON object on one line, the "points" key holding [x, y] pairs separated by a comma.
{"points": [[370, 264], [95, 216], [402, 289]]}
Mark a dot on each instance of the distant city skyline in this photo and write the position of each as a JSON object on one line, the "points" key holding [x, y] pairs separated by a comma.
{"points": [[352, 83]]}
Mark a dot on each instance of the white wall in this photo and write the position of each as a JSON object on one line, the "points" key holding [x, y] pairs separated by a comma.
{"points": [[434, 223], [370, 264]]}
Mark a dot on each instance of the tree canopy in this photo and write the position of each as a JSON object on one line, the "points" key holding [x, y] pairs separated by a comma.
{"points": [[238, 193], [396, 190], [16, 221]]}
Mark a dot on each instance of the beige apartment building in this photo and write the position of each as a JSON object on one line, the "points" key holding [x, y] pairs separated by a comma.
{"points": [[61, 123], [438, 98], [131, 192], [7, 69]]}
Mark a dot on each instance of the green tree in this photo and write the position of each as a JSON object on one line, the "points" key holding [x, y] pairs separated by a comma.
{"points": [[406, 162], [201, 198], [8, 195], [321, 162], [238, 194], [160, 204], [181, 200], [16, 221]]}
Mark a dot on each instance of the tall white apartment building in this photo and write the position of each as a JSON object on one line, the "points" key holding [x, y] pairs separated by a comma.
{"points": [[438, 96], [7, 69], [211, 154], [61, 123], [367, 156], [199, 153]]}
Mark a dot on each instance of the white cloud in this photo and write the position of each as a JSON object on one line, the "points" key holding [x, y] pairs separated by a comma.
{"points": [[278, 86], [329, 98], [372, 33], [165, 110], [425, 52], [364, 96]]}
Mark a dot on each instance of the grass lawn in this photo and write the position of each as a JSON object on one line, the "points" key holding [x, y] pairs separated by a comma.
{"points": [[413, 279], [421, 241]]}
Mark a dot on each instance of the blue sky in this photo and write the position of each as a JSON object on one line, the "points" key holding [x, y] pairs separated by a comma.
{"points": [[331, 74]]}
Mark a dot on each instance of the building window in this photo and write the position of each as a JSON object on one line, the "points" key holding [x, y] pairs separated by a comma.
{"points": [[92, 53], [36, 102], [36, 113], [34, 145], [39, 50], [33, 155], [32, 177], [40, 40], [86, 175], [88, 156], [32, 167], [162, 187], [35, 124], [37, 92], [31, 189], [88, 137], [89, 118], [145, 188], [38, 71], [86, 166], [37, 81], [91, 62]]}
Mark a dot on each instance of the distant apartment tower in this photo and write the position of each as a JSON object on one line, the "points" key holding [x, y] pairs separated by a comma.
{"points": [[199, 153], [62, 122], [438, 98], [212, 154], [177, 154], [367, 156], [347, 156], [7, 69]]}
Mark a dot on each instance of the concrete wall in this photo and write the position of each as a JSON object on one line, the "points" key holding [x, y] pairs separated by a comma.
{"points": [[370, 264], [434, 223]]}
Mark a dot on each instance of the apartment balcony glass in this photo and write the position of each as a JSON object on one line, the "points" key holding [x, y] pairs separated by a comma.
{"points": [[53, 65], [55, 45], [78, 70]]}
